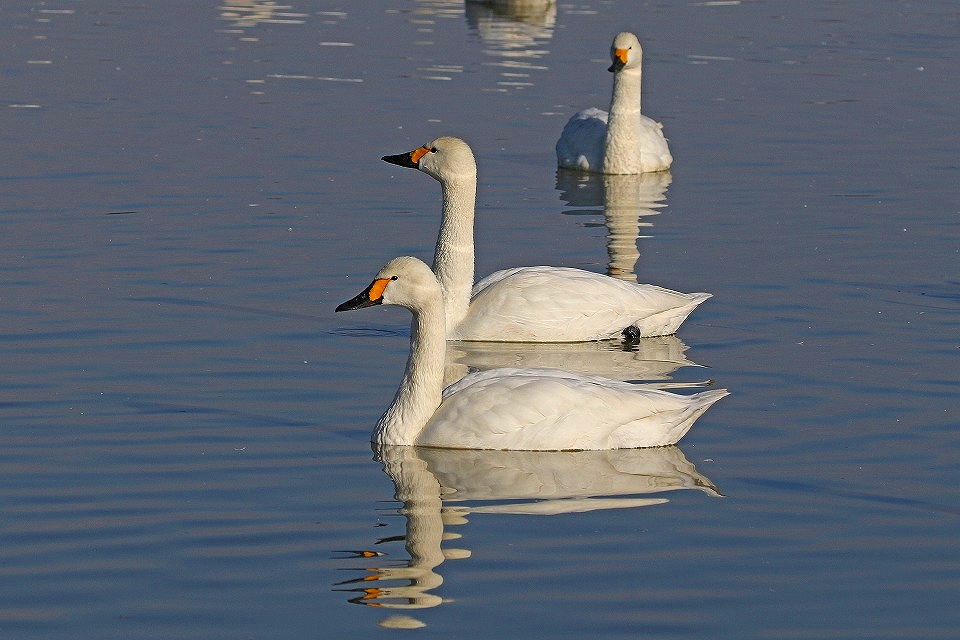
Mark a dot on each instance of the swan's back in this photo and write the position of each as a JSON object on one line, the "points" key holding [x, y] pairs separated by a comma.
{"points": [[654, 152], [545, 409], [562, 304], [581, 142]]}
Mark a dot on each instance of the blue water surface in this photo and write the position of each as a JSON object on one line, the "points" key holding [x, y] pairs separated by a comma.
{"points": [[189, 189]]}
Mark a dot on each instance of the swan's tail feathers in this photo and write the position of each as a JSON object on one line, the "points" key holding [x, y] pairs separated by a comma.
{"points": [[668, 321], [667, 426], [700, 402], [703, 400]]}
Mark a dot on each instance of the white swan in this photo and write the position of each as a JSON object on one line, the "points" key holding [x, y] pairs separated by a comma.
{"points": [[625, 140], [516, 409], [529, 304]]}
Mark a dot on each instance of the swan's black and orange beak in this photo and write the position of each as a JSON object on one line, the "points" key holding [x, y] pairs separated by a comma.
{"points": [[619, 60], [368, 297], [410, 160]]}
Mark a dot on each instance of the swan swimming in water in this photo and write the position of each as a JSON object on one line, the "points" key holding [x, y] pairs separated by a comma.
{"points": [[623, 140], [511, 409], [529, 304]]}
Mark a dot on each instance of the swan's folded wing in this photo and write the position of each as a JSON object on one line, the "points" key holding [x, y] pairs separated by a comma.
{"points": [[560, 304], [555, 410], [654, 151], [580, 145]]}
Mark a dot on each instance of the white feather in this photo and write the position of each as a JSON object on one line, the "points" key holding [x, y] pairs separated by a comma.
{"points": [[570, 305]]}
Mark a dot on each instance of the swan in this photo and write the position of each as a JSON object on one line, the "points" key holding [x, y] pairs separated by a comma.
{"points": [[529, 304], [623, 140], [510, 409]]}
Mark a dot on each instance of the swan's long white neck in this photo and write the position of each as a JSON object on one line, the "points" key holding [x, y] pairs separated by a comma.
{"points": [[420, 390], [622, 144], [453, 259]]}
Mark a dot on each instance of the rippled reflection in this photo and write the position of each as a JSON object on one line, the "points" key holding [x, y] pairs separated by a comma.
{"points": [[625, 202], [250, 13], [440, 488], [515, 33], [243, 16], [653, 358]]}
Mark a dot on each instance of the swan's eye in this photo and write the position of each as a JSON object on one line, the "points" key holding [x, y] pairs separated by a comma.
{"points": [[393, 277], [433, 150]]}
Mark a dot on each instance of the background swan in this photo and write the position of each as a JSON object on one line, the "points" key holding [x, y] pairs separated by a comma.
{"points": [[528, 304], [623, 140], [516, 409]]}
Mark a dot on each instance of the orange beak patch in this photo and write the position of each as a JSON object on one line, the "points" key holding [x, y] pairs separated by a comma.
{"points": [[416, 154], [368, 297], [621, 55], [376, 289]]}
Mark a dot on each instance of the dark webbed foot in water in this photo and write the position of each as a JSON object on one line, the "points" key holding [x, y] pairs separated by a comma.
{"points": [[631, 335]]}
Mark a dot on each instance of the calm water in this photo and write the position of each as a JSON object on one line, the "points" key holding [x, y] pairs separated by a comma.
{"points": [[188, 190]]}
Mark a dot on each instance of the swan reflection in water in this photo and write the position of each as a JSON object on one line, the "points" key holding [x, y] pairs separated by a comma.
{"points": [[624, 201], [649, 359], [440, 488], [515, 33], [249, 13]]}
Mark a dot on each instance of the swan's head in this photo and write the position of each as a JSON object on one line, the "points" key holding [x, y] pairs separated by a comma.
{"points": [[404, 281], [446, 159], [625, 52]]}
